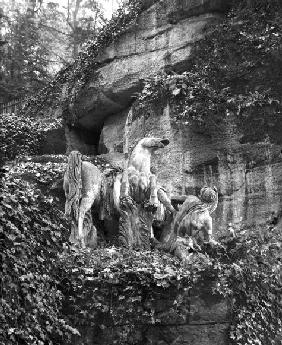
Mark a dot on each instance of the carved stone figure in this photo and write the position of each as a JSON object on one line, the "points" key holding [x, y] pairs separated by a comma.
{"points": [[194, 216], [135, 192], [140, 196], [82, 184], [191, 225]]}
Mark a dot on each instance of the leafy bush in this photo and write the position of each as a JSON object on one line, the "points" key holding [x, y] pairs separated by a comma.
{"points": [[48, 291], [118, 288], [21, 135], [32, 232], [249, 271], [76, 75], [115, 288]]}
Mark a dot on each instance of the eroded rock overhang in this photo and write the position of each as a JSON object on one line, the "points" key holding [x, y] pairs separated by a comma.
{"points": [[162, 38]]}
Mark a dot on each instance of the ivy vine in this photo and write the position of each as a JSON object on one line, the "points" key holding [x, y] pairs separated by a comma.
{"points": [[113, 288], [21, 136], [76, 75], [235, 69], [32, 232], [51, 290]]}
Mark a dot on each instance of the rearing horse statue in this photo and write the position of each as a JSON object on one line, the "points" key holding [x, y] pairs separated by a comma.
{"points": [[83, 181]]}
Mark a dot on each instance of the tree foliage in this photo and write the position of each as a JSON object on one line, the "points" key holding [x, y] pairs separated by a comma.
{"points": [[25, 59], [42, 37]]}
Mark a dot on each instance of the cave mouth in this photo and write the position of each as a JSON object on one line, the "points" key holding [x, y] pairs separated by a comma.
{"points": [[90, 136], [84, 139]]}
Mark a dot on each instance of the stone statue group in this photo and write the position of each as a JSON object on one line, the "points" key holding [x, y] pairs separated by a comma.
{"points": [[137, 200]]}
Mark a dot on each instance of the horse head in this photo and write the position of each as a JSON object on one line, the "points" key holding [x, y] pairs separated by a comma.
{"points": [[152, 144], [140, 158]]}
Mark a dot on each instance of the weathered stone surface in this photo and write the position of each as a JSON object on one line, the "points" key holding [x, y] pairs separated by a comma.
{"points": [[157, 335], [248, 177], [54, 142], [206, 308], [161, 38], [169, 328], [188, 335], [111, 138]]}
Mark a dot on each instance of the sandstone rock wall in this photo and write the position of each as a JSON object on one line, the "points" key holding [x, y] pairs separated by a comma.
{"points": [[161, 38], [54, 142], [205, 321], [248, 177]]}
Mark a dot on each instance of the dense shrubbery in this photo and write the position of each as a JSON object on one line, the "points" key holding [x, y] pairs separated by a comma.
{"points": [[235, 69], [117, 287], [48, 290], [77, 74], [32, 230], [21, 135], [249, 270]]}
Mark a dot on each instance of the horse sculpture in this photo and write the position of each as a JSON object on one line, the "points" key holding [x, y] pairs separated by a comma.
{"points": [[83, 182], [83, 185]]}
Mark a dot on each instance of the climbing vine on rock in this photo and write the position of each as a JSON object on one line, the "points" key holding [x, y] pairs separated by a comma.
{"points": [[21, 135], [76, 75], [50, 291], [235, 69], [111, 288], [249, 271], [117, 291], [32, 231]]}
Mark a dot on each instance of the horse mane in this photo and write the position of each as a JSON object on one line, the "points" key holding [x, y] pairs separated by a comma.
{"points": [[140, 157], [73, 183]]}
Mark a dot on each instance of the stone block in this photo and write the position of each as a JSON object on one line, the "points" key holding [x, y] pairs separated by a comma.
{"points": [[215, 334], [206, 311]]}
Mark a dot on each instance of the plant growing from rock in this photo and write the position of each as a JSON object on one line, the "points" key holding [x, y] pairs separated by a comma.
{"points": [[32, 230], [75, 76], [113, 288], [21, 135], [235, 71], [49, 293]]}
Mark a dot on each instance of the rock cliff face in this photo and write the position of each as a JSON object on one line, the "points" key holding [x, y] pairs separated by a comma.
{"points": [[162, 38], [248, 176], [205, 320]]}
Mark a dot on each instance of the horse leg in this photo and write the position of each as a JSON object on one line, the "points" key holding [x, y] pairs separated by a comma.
{"points": [[208, 230], [165, 200], [153, 191], [85, 205], [66, 190]]}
